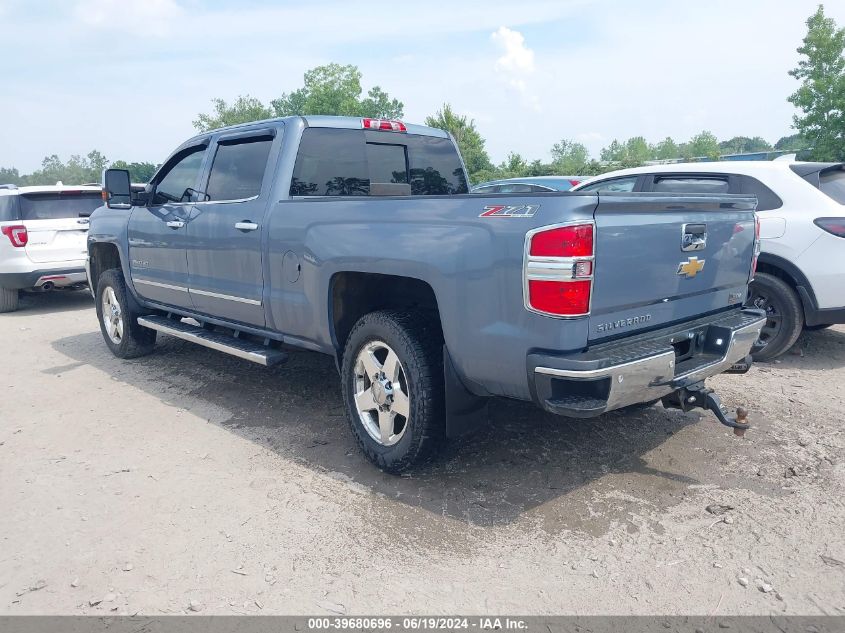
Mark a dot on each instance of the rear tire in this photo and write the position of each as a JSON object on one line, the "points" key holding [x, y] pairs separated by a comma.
{"points": [[393, 388], [118, 320], [8, 300], [785, 316]]}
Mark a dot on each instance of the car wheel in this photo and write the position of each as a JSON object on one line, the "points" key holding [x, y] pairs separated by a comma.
{"points": [[393, 388], [816, 328], [118, 321], [8, 300], [784, 315]]}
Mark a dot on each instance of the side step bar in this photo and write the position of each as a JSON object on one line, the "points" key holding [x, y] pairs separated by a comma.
{"points": [[248, 350]]}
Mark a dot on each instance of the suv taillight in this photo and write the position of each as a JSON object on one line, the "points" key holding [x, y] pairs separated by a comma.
{"points": [[17, 235], [835, 226], [756, 246], [559, 269]]}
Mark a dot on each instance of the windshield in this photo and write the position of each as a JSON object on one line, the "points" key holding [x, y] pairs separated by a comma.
{"points": [[832, 184], [58, 205]]}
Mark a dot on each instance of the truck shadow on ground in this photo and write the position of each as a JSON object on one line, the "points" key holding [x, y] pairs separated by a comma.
{"points": [[524, 459]]}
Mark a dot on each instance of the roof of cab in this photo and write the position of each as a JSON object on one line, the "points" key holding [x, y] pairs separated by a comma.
{"points": [[340, 122]]}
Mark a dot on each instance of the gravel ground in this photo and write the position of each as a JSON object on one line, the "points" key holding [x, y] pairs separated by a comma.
{"points": [[190, 480]]}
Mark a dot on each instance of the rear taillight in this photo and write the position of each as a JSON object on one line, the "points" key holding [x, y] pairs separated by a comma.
{"points": [[17, 235], [834, 226], [559, 269], [383, 124], [574, 182], [756, 245]]}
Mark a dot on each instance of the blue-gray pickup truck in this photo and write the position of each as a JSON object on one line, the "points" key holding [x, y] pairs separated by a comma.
{"points": [[358, 238]]}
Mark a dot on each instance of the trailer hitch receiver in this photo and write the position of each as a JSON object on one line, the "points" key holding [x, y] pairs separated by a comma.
{"points": [[698, 396]]}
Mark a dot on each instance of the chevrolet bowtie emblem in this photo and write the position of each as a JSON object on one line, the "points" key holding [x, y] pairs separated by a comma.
{"points": [[691, 267]]}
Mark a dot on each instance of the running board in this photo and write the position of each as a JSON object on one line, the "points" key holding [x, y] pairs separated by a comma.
{"points": [[242, 348]]}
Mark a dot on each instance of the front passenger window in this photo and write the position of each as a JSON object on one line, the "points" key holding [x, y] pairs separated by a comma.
{"points": [[180, 177], [613, 184]]}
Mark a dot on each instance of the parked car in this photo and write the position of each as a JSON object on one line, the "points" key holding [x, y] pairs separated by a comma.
{"points": [[43, 241], [354, 238], [800, 279], [529, 184]]}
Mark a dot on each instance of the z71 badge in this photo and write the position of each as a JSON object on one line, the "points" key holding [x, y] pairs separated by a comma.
{"points": [[504, 211]]}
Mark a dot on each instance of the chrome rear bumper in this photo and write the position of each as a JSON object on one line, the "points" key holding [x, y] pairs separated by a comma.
{"points": [[651, 369]]}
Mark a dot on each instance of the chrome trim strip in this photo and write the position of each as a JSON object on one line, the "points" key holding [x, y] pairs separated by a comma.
{"points": [[217, 295], [653, 377], [159, 285]]}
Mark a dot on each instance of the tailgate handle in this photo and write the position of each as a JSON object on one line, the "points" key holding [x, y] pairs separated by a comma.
{"points": [[694, 237]]}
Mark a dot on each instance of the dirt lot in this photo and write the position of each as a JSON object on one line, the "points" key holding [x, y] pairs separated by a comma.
{"points": [[141, 486]]}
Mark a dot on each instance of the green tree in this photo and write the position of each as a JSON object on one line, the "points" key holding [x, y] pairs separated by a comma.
{"points": [[336, 89], [138, 172], [793, 142], [613, 153], [469, 141], [702, 145], [569, 157], [632, 153], [514, 166], [243, 110], [666, 149], [821, 96], [744, 145], [11, 176], [77, 171]]}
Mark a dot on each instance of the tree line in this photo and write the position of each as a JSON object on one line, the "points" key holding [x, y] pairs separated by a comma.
{"points": [[336, 89]]}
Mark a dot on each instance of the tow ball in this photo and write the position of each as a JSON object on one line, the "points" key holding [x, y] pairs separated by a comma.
{"points": [[698, 396]]}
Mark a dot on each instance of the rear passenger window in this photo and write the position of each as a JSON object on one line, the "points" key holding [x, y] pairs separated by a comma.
{"points": [[766, 198], [832, 184], [8, 208], [676, 184], [519, 188], [238, 169], [435, 167]]}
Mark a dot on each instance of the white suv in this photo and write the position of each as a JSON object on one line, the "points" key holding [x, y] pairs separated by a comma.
{"points": [[43, 240], [800, 279]]}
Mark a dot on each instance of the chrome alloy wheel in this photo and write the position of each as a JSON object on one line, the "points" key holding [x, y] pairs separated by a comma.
{"points": [[112, 316], [381, 393]]}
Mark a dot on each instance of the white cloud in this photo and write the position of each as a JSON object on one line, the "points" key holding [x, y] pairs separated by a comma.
{"points": [[153, 17], [516, 64]]}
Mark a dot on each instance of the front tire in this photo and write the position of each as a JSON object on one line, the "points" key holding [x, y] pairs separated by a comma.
{"points": [[393, 388], [8, 300], [118, 320], [784, 316]]}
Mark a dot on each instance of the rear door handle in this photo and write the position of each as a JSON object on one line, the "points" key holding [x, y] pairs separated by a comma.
{"points": [[176, 224], [246, 225]]}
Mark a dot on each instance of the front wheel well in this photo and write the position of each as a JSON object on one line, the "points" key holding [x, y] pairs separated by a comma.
{"points": [[354, 294], [103, 256]]}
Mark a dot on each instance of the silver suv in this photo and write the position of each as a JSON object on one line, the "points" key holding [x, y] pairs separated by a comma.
{"points": [[42, 245]]}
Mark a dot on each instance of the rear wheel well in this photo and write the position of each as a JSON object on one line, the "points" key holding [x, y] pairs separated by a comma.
{"points": [[771, 269], [103, 257], [352, 295]]}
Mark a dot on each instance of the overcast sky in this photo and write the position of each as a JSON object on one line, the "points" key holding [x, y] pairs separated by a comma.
{"points": [[127, 77]]}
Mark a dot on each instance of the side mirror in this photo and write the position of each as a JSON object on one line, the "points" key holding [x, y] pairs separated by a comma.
{"points": [[117, 188]]}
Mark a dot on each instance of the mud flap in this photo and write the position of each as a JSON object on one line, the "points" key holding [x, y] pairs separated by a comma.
{"points": [[465, 412], [697, 396]]}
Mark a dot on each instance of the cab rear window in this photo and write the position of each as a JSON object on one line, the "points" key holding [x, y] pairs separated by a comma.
{"points": [[339, 162], [58, 205]]}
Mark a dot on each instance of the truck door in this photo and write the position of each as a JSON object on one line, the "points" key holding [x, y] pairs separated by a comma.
{"points": [[157, 233], [225, 234]]}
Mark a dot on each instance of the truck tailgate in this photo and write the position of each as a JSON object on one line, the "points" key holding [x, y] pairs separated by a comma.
{"points": [[663, 258]]}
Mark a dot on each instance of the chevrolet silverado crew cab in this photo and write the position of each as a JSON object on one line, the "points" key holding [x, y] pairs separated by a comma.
{"points": [[358, 238], [42, 246]]}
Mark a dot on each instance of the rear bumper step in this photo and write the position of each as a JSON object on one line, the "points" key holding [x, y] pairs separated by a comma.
{"points": [[649, 368], [242, 348]]}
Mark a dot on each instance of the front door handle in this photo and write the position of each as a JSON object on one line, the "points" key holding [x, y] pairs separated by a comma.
{"points": [[176, 224], [246, 225]]}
